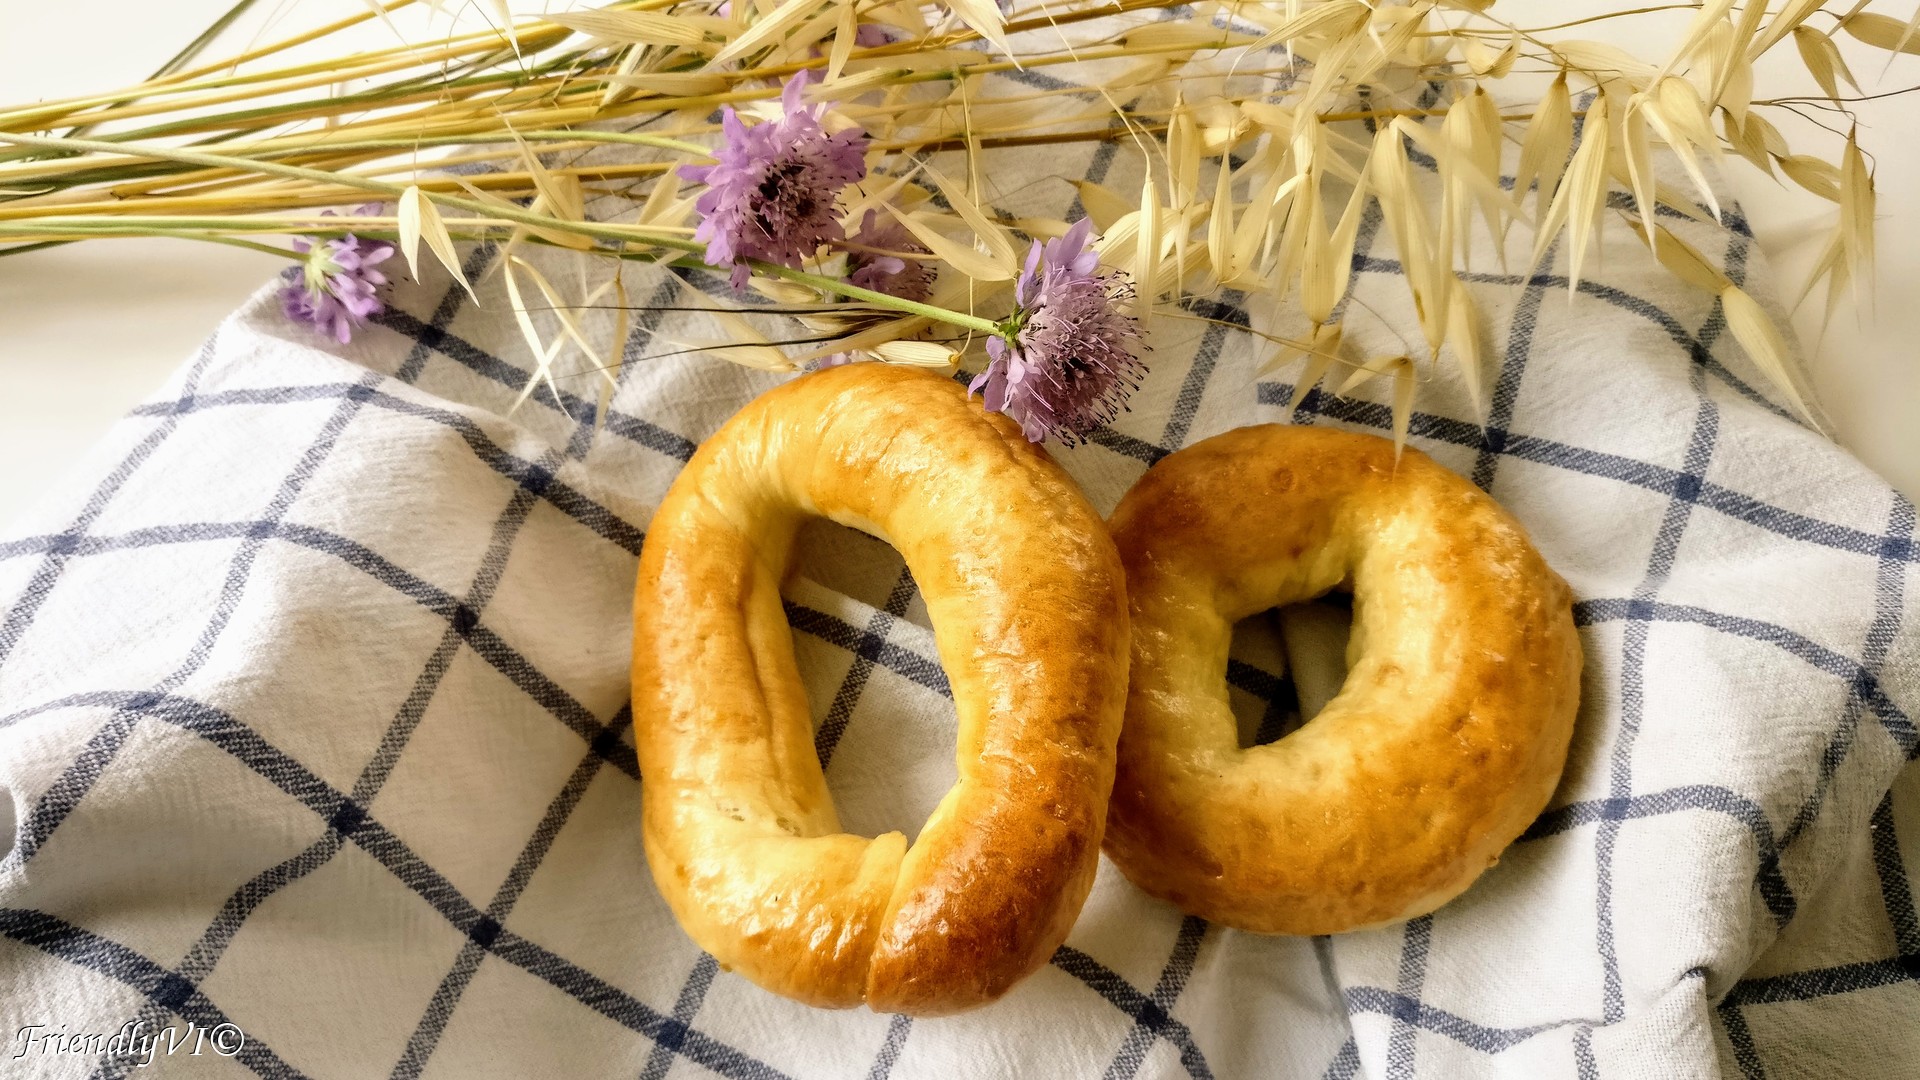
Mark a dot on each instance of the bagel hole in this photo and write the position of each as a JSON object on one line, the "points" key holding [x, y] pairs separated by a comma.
{"points": [[865, 649], [1285, 664], [853, 563]]}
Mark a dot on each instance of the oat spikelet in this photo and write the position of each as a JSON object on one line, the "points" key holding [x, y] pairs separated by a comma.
{"points": [[1747, 27], [1183, 171], [1183, 156], [1365, 373], [1256, 221], [1711, 17], [1322, 352], [1906, 35], [419, 219], [1764, 343], [1486, 62], [1460, 157], [962, 257], [1402, 405], [1406, 219], [1812, 174], [1401, 368], [1823, 60], [1603, 62], [543, 352], [1304, 224], [1831, 267], [691, 32], [1324, 279], [1882, 32], [1101, 204], [991, 235], [1335, 20], [1679, 117], [767, 29], [1146, 254], [1468, 345], [1857, 200], [1220, 245], [1791, 15], [564, 311], [1748, 140], [986, 18], [1637, 151], [1731, 79], [616, 351], [917, 353], [1577, 205], [559, 196], [1685, 262], [1543, 153]]}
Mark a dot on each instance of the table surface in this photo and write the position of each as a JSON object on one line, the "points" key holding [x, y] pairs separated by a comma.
{"points": [[91, 329]]}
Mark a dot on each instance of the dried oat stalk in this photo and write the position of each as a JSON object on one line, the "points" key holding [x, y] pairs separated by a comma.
{"points": [[1263, 133]]}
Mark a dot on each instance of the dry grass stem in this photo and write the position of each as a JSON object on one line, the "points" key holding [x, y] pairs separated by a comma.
{"points": [[1243, 121]]}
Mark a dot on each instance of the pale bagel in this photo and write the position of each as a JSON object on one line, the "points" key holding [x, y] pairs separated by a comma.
{"points": [[1029, 611], [1446, 740]]}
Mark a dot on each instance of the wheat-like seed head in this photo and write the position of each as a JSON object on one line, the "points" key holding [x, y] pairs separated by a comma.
{"points": [[1248, 123]]}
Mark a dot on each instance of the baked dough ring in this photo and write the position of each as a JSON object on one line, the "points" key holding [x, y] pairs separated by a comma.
{"points": [[1029, 612], [1444, 743]]}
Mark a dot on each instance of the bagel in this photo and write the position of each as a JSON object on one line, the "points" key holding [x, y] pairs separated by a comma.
{"points": [[1029, 610], [1446, 740]]}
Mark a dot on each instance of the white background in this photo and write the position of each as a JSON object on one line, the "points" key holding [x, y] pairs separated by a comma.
{"points": [[88, 330]]}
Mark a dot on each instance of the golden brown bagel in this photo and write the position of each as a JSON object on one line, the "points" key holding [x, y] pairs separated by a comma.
{"points": [[1029, 612], [1446, 740]]}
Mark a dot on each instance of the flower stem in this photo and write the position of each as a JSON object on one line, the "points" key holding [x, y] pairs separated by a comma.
{"points": [[878, 299], [234, 241]]}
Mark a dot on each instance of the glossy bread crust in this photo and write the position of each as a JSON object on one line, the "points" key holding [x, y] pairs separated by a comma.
{"points": [[1029, 610], [1446, 740]]}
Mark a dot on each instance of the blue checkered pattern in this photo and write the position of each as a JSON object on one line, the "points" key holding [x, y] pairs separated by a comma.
{"points": [[313, 718]]}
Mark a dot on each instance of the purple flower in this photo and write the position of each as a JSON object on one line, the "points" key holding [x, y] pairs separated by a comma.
{"points": [[772, 195], [869, 268], [335, 291], [1066, 363]]}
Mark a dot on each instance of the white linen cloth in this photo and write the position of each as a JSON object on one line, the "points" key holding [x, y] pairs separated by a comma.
{"points": [[313, 720]]}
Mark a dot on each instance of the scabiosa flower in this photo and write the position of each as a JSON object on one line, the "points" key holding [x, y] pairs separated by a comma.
{"points": [[1066, 362], [772, 195], [335, 290], [869, 268]]}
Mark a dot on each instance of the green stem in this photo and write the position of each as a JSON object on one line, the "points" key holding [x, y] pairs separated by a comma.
{"points": [[230, 241], [134, 225], [878, 299], [38, 246], [234, 241]]}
